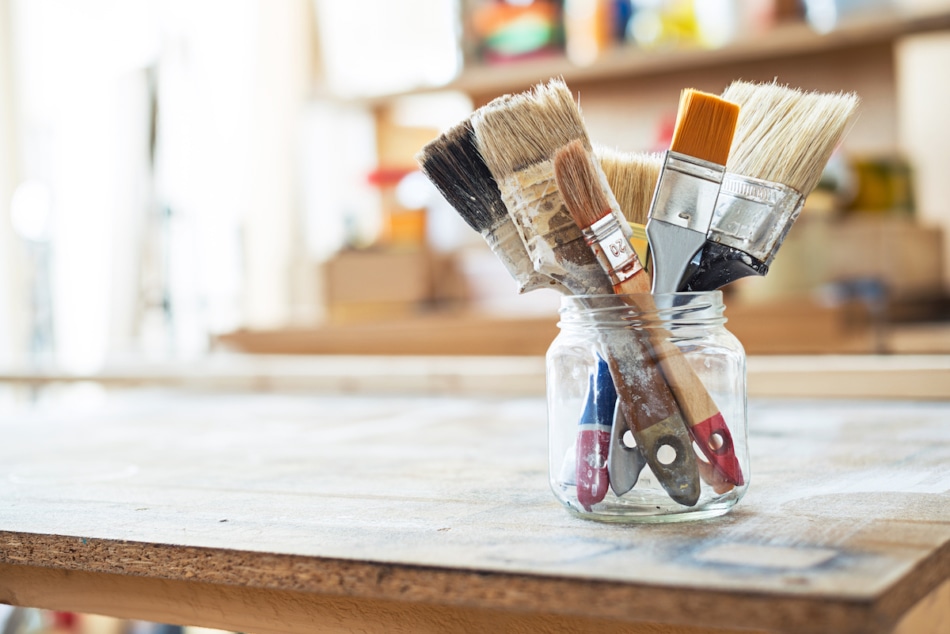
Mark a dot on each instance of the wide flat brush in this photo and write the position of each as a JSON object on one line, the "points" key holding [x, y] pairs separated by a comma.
{"points": [[454, 165], [457, 170], [686, 193], [590, 204], [517, 136], [783, 139]]}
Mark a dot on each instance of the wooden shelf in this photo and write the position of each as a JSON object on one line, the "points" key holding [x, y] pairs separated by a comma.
{"points": [[786, 40]]}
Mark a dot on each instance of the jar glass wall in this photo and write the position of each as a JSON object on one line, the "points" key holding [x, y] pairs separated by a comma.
{"points": [[647, 411]]}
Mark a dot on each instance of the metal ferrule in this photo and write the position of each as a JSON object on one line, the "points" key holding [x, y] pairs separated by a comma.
{"points": [[611, 240], [686, 192], [754, 215]]}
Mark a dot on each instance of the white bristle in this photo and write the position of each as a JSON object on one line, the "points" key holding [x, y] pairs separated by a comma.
{"points": [[786, 135]]}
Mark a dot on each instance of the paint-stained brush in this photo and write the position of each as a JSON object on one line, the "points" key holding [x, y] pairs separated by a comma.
{"points": [[455, 167], [517, 136], [649, 408], [784, 138], [685, 196], [590, 204]]}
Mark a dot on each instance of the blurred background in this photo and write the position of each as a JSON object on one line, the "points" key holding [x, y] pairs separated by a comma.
{"points": [[33, 621], [179, 178]]}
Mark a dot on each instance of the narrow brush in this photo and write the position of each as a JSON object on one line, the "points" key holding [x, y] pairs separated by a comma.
{"points": [[593, 211], [632, 178], [651, 413], [457, 170], [783, 139], [685, 197]]}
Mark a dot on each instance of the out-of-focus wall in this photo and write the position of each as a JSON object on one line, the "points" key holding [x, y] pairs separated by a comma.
{"points": [[924, 95]]}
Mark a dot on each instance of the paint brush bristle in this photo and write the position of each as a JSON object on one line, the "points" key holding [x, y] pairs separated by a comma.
{"points": [[786, 135], [457, 170], [632, 177], [580, 185], [704, 127], [515, 131]]}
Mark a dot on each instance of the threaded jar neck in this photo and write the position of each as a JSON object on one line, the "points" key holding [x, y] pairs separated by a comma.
{"points": [[644, 310]]}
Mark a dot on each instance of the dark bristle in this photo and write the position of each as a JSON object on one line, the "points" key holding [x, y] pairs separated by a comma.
{"points": [[579, 184], [705, 125], [453, 164]]}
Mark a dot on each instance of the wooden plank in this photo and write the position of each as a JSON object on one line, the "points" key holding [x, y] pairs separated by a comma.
{"points": [[851, 376], [432, 335], [829, 376], [316, 501]]}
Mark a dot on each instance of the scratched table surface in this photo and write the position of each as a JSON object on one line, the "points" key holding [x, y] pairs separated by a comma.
{"points": [[293, 513]]}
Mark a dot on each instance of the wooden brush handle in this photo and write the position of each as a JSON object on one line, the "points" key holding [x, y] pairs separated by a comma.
{"points": [[699, 411], [652, 414], [694, 401]]}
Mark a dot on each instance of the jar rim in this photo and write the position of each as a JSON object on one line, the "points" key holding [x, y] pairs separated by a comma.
{"points": [[699, 307], [661, 299]]}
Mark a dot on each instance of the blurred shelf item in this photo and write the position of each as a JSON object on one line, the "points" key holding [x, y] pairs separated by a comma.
{"points": [[892, 258], [788, 39]]}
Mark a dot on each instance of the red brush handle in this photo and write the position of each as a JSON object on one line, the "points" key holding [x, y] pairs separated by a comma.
{"points": [[715, 441], [593, 443]]}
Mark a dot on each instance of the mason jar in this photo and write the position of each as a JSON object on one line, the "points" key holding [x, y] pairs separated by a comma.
{"points": [[647, 408]]}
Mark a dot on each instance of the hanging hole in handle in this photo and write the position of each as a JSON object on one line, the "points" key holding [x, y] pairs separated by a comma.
{"points": [[666, 454], [716, 442], [628, 440]]}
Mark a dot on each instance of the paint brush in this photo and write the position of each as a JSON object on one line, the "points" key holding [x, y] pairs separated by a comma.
{"points": [[632, 178], [649, 407], [592, 446], [590, 204], [518, 137], [686, 193], [783, 139], [454, 165]]}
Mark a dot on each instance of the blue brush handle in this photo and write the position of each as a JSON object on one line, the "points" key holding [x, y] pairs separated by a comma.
{"points": [[601, 397], [593, 436]]}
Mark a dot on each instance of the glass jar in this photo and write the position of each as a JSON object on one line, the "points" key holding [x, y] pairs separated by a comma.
{"points": [[647, 408]]}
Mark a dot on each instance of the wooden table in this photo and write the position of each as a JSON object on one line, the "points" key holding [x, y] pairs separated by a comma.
{"points": [[269, 512]]}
